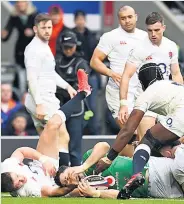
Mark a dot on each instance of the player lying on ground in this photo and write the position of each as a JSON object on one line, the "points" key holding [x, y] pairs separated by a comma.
{"points": [[162, 97], [164, 177], [37, 179]]}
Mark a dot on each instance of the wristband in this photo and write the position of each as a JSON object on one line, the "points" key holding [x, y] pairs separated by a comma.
{"points": [[96, 194], [123, 102], [112, 154]]}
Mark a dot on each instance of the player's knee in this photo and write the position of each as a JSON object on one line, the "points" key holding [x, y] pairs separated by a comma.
{"points": [[54, 124]]}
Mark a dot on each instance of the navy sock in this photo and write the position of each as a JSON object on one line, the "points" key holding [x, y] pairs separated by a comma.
{"points": [[63, 158], [140, 159], [72, 105]]}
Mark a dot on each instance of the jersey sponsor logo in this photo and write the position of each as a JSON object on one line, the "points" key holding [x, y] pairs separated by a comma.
{"points": [[149, 58], [123, 43], [170, 55]]}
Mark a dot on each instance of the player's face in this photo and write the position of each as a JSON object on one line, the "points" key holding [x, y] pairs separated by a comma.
{"points": [[18, 180], [68, 180], [155, 32], [44, 30], [69, 51], [127, 20]]}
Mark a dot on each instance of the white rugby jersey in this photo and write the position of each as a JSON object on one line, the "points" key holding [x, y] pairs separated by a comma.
{"points": [[34, 174], [163, 55], [117, 45], [40, 67], [162, 97]]}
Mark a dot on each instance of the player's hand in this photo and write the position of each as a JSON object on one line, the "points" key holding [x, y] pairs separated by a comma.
{"points": [[72, 92], [40, 111], [49, 168], [86, 190], [4, 34], [116, 77], [75, 170], [123, 114], [102, 165], [28, 32]]}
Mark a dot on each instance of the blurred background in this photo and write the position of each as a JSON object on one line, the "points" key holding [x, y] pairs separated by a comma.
{"points": [[93, 17]]}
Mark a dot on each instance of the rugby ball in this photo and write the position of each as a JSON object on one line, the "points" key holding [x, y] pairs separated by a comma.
{"points": [[98, 182]]}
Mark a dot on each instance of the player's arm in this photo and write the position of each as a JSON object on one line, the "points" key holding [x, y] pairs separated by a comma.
{"points": [[49, 191], [99, 151], [28, 153], [64, 85], [126, 133], [176, 73], [86, 190], [33, 63], [97, 64], [130, 69], [103, 49], [175, 69]]}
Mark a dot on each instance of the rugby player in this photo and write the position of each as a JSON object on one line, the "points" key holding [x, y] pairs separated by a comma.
{"points": [[34, 180], [116, 45]]}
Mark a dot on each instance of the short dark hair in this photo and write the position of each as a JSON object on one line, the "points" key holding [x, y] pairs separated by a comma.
{"points": [[60, 171], [153, 18], [7, 183], [79, 13], [41, 17]]}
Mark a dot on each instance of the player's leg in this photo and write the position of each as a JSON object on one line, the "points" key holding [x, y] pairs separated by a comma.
{"points": [[64, 139], [156, 137], [49, 141], [146, 123]]}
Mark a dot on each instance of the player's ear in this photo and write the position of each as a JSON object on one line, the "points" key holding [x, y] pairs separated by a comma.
{"points": [[164, 27], [136, 17], [35, 29]]}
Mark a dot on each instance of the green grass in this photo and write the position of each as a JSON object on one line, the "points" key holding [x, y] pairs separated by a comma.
{"points": [[9, 200]]}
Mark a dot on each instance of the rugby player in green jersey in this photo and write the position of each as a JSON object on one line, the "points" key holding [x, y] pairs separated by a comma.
{"points": [[164, 177]]}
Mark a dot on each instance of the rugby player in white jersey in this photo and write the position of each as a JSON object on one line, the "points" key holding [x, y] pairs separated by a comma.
{"points": [[162, 97], [155, 49], [36, 180], [41, 101], [116, 45]]}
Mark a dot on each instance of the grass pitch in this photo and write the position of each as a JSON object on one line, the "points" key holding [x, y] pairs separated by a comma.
{"points": [[9, 200]]}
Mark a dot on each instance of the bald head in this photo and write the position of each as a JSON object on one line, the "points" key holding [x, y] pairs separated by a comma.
{"points": [[127, 18], [126, 8]]}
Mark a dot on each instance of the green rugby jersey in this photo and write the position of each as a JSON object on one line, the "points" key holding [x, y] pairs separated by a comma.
{"points": [[118, 173]]}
